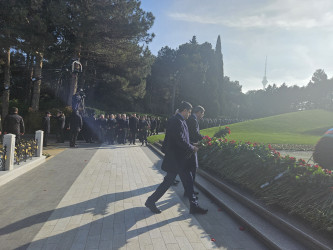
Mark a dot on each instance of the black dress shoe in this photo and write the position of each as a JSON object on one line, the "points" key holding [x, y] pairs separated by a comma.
{"points": [[152, 207], [198, 210]]}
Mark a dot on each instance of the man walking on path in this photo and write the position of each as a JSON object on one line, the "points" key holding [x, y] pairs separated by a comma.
{"points": [[195, 136], [178, 150], [14, 124]]}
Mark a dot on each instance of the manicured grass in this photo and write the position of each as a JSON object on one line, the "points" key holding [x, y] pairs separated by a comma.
{"points": [[155, 138], [303, 127]]}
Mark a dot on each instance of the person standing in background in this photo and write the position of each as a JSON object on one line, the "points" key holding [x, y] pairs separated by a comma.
{"points": [[60, 119], [46, 127], [14, 124], [75, 124]]}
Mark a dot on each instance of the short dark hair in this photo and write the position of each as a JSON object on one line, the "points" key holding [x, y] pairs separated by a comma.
{"points": [[13, 110], [185, 105], [198, 109]]}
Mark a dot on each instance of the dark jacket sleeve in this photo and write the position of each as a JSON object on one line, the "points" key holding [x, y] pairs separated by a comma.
{"points": [[193, 129]]}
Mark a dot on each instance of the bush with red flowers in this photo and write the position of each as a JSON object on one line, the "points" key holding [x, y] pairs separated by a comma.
{"points": [[298, 187]]}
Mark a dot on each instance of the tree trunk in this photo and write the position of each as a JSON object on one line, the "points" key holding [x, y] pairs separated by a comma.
{"points": [[30, 73], [72, 88], [38, 81], [75, 77], [5, 95]]}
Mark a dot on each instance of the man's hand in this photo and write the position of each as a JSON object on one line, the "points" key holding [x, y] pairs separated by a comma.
{"points": [[195, 149]]}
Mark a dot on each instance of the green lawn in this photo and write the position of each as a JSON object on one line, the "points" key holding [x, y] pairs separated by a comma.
{"points": [[303, 127]]}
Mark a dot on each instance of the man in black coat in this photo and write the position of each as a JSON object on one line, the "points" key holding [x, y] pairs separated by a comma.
{"points": [[143, 130], [60, 121], [158, 124], [178, 150], [133, 126], [122, 126], [153, 125], [195, 136], [46, 127], [14, 124], [111, 129], [75, 124]]}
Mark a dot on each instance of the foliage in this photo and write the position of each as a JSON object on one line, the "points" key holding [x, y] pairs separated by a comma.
{"points": [[222, 132], [109, 37], [193, 72], [298, 187]]}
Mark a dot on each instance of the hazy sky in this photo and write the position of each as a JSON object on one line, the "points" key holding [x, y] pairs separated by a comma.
{"points": [[296, 35]]}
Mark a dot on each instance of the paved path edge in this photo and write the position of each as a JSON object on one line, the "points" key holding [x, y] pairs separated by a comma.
{"points": [[26, 167]]}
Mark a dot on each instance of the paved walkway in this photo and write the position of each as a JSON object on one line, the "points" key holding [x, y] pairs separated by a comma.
{"points": [[93, 198]]}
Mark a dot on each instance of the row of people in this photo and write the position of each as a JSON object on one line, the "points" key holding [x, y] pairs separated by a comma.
{"points": [[110, 129], [120, 129]]}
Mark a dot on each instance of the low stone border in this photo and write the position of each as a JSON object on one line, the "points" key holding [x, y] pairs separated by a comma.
{"points": [[18, 170], [283, 225]]}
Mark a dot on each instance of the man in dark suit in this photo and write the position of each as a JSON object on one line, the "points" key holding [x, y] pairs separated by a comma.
{"points": [[75, 124], [133, 126], [178, 150], [195, 136], [61, 120], [46, 127], [14, 124]]}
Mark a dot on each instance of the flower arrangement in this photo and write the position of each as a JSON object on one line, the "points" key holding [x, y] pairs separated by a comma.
{"points": [[300, 188], [25, 149]]}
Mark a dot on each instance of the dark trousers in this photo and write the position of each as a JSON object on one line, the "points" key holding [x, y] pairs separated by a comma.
{"points": [[110, 134], [45, 139], [60, 135], [187, 180], [143, 136], [121, 136], [73, 137], [133, 136]]}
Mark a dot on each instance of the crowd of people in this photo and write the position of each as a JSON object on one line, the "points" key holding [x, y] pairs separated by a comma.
{"points": [[120, 128]]}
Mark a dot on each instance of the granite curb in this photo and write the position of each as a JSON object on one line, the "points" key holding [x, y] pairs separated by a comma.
{"points": [[281, 224], [7, 176]]}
